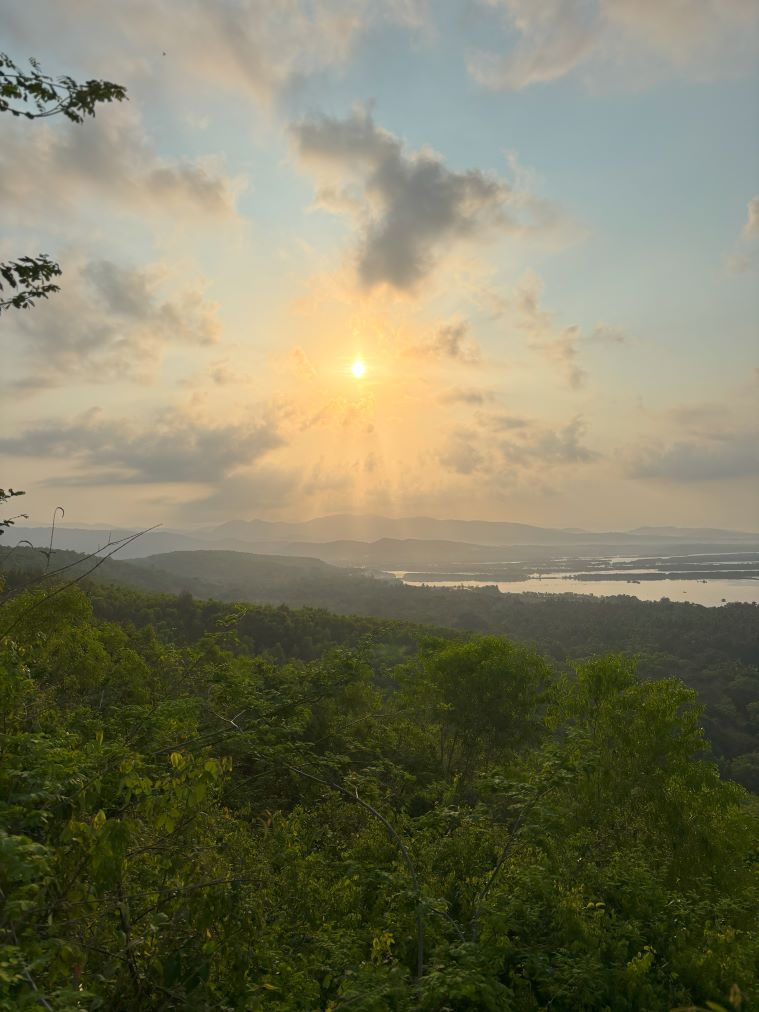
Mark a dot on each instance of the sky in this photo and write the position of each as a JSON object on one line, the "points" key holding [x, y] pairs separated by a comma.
{"points": [[534, 222]]}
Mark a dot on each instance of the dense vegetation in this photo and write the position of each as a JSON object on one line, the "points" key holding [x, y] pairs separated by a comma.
{"points": [[208, 807], [713, 650]]}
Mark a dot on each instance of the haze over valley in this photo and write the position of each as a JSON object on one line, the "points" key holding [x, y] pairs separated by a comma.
{"points": [[707, 566]]}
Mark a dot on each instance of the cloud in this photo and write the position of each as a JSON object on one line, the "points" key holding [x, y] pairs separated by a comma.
{"points": [[461, 455], [258, 48], [506, 422], [604, 333], [223, 374], [321, 478], [467, 395], [537, 446], [111, 322], [703, 418], [257, 490], [554, 38], [716, 457], [109, 158], [220, 373], [560, 344], [175, 446], [451, 341], [408, 207], [302, 363], [747, 253], [751, 228], [262, 487], [523, 446], [521, 310]]}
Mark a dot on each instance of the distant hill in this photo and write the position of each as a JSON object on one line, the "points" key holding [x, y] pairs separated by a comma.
{"points": [[349, 527], [341, 527], [712, 534], [88, 540], [222, 575], [389, 543]]}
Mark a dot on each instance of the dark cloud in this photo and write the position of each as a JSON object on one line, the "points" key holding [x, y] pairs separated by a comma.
{"points": [[110, 322], [410, 207], [715, 457], [173, 447]]}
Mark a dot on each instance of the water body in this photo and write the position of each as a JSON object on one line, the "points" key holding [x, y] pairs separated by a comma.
{"points": [[712, 593]]}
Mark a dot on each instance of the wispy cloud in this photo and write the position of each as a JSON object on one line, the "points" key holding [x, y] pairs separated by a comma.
{"points": [[746, 254], [751, 228], [521, 309], [173, 446], [461, 453], [452, 342], [716, 457], [113, 159], [522, 446], [111, 322], [630, 40], [473, 396], [254, 48]]}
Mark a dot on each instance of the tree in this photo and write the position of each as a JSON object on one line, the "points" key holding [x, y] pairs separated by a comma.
{"points": [[30, 94], [485, 698]]}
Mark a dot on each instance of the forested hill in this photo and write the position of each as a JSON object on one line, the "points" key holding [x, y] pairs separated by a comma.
{"points": [[207, 806], [714, 650]]}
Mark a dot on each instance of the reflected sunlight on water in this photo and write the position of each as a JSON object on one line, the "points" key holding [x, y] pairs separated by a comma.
{"points": [[713, 593]]}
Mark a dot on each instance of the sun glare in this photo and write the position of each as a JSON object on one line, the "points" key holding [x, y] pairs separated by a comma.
{"points": [[358, 369]]}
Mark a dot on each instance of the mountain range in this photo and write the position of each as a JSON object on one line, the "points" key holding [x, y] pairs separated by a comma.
{"points": [[392, 543]]}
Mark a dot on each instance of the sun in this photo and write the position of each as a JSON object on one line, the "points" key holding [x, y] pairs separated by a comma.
{"points": [[358, 369]]}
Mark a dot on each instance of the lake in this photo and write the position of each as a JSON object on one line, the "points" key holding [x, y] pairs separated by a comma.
{"points": [[711, 593]]}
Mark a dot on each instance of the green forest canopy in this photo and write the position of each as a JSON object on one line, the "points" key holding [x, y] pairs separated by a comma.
{"points": [[713, 650], [193, 819]]}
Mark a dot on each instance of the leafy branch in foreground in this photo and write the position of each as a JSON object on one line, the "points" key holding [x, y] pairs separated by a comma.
{"points": [[33, 95], [29, 278], [5, 495], [30, 94]]}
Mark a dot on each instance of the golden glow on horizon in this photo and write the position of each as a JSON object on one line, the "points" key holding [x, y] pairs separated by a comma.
{"points": [[358, 369]]}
